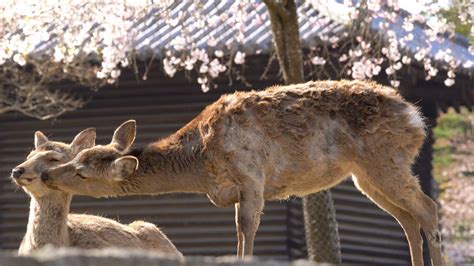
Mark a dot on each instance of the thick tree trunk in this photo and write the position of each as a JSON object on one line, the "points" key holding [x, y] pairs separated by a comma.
{"points": [[322, 238], [286, 37]]}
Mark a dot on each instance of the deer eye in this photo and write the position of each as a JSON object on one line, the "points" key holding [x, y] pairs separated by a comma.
{"points": [[53, 160], [81, 176]]}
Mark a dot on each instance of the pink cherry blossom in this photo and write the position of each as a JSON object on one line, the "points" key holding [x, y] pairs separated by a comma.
{"points": [[239, 58], [449, 82], [318, 60]]}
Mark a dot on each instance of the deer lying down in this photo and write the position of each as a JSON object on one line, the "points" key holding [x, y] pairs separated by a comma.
{"points": [[249, 147], [49, 221]]}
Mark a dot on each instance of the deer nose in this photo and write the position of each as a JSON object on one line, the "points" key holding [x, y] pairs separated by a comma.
{"points": [[44, 176], [17, 172]]}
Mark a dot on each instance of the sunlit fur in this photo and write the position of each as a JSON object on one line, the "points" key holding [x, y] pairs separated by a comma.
{"points": [[49, 221], [248, 147]]}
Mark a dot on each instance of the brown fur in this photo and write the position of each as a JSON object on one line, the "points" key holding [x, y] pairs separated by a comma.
{"points": [[249, 147], [50, 221]]}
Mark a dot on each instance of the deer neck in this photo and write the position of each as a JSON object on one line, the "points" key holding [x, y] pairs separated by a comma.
{"points": [[174, 164], [47, 222]]}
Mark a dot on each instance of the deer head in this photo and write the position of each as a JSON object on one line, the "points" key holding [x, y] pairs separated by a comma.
{"points": [[97, 170], [48, 154]]}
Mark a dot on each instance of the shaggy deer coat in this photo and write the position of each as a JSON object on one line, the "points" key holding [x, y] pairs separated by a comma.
{"points": [[249, 147]]}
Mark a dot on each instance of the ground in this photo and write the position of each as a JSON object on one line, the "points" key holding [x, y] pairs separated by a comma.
{"points": [[454, 173]]}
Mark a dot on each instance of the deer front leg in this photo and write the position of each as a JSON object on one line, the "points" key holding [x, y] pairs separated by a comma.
{"points": [[251, 206], [240, 234]]}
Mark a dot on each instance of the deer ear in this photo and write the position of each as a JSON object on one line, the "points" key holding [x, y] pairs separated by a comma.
{"points": [[124, 136], [84, 140], [40, 139], [124, 167]]}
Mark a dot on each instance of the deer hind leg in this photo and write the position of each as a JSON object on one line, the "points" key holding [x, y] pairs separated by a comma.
{"points": [[240, 234], [401, 188], [251, 206], [408, 223]]}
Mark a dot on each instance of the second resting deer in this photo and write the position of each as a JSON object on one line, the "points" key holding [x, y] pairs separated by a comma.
{"points": [[249, 147], [51, 223]]}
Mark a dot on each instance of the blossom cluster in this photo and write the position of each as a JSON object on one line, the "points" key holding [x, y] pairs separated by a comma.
{"points": [[68, 32], [208, 55], [71, 31], [402, 43]]}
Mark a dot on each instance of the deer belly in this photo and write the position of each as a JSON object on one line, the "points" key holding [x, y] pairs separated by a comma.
{"points": [[302, 183]]}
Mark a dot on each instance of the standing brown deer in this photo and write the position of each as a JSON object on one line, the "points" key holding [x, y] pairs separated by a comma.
{"points": [[249, 147], [49, 221]]}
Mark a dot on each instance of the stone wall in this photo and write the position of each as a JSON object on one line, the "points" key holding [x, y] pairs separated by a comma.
{"points": [[125, 257]]}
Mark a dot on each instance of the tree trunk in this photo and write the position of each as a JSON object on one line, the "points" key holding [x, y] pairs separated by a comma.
{"points": [[322, 238], [286, 37]]}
